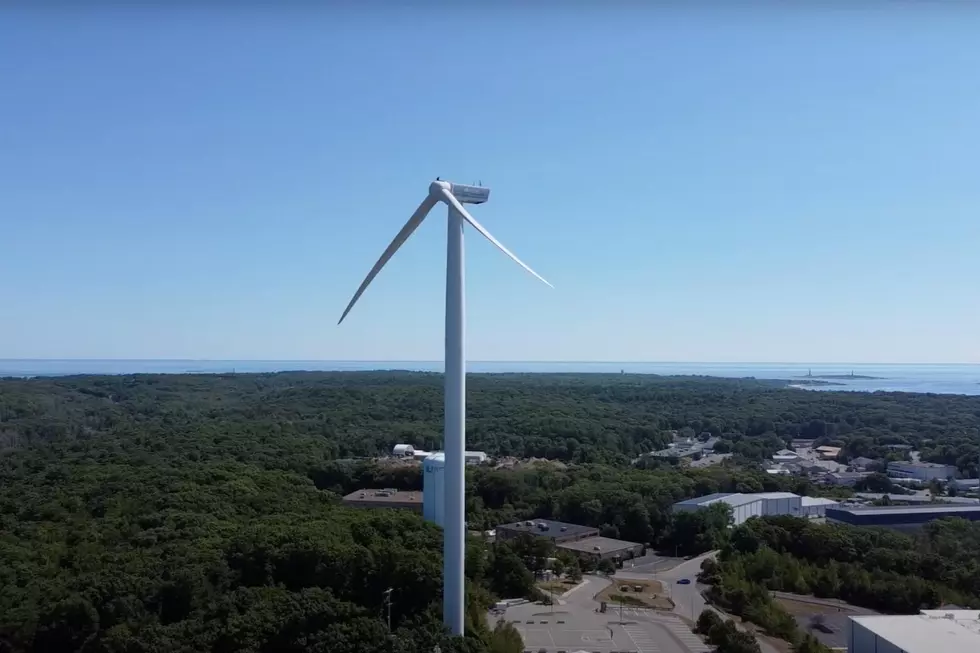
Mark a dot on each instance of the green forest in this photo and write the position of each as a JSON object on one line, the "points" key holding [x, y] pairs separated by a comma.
{"points": [[201, 512]]}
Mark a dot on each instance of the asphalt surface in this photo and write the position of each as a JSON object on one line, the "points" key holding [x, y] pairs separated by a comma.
{"points": [[688, 600], [575, 624]]}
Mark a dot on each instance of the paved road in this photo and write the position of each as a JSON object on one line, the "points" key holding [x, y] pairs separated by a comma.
{"points": [[652, 563], [688, 601]]}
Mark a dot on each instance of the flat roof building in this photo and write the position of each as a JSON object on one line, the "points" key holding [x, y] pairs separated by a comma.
{"points": [[603, 548], [901, 517], [949, 631], [384, 498], [746, 506], [816, 507], [921, 471], [556, 531]]}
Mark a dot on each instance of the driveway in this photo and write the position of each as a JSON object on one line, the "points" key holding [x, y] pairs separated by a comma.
{"points": [[688, 601]]}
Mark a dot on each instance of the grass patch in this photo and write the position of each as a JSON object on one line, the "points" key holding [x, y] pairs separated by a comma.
{"points": [[556, 587], [638, 593]]}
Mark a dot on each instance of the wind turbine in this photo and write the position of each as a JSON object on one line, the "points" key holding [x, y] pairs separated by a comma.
{"points": [[454, 196]]}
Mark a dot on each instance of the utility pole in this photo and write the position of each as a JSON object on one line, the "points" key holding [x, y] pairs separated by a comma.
{"points": [[388, 606]]}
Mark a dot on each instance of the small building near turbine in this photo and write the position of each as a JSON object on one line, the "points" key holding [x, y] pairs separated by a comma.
{"points": [[403, 451], [434, 488], [603, 548], [556, 531], [384, 498]]}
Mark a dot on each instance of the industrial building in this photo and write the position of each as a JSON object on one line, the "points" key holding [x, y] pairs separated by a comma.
{"points": [[556, 531], [603, 548], [921, 471], [845, 479], [901, 517], [408, 451], [816, 507], [949, 631], [384, 498], [827, 453], [434, 488], [746, 506], [583, 541], [434, 480]]}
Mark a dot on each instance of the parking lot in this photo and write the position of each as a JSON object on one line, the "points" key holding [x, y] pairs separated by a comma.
{"points": [[573, 630], [551, 638]]}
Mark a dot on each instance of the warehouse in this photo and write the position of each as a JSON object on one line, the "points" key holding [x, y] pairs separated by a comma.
{"points": [[744, 506], [556, 531], [780, 503], [603, 548], [921, 471], [816, 507], [949, 631], [901, 517]]}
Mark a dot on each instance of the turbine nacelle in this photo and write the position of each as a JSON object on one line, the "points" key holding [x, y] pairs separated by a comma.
{"points": [[465, 193]]}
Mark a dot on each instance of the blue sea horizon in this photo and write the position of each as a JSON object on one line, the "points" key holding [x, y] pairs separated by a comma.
{"points": [[940, 378]]}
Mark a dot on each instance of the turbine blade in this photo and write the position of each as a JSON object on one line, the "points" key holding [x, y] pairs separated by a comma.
{"points": [[406, 231], [455, 203]]}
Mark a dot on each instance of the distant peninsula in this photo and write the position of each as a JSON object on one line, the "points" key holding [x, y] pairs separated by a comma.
{"points": [[814, 380], [843, 377]]}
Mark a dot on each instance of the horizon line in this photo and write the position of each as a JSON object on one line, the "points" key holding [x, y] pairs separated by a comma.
{"points": [[399, 361]]}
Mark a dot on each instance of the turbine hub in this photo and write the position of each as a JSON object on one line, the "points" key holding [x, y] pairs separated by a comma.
{"points": [[437, 186]]}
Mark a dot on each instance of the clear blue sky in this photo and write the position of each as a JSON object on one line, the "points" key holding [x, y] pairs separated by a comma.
{"points": [[759, 184]]}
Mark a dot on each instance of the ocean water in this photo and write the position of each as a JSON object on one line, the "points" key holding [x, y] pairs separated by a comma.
{"points": [[942, 379]]}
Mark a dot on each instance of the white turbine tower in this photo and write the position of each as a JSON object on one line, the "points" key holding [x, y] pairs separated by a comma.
{"points": [[454, 196]]}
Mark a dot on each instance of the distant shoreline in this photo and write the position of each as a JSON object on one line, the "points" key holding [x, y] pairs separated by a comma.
{"points": [[843, 377], [958, 379]]}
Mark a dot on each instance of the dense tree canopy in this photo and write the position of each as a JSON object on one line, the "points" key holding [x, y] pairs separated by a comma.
{"points": [[574, 418], [871, 567], [201, 512]]}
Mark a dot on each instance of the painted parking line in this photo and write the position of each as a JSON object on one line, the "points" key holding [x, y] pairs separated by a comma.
{"points": [[691, 641], [642, 640]]}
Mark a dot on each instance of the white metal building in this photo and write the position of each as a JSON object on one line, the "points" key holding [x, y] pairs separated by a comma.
{"points": [[814, 507], [780, 503], [949, 631], [434, 488], [921, 471], [474, 457], [745, 506], [403, 451]]}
